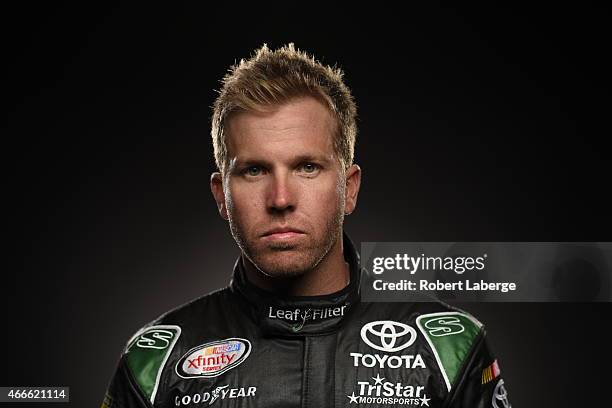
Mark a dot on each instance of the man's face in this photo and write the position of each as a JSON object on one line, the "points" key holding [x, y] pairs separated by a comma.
{"points": [[285, 192]]}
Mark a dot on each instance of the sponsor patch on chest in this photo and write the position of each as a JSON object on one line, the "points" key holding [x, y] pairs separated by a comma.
{"points": [[214, 358]]}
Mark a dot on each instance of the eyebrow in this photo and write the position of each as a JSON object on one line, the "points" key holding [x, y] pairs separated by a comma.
{"points": [[295, 160]]}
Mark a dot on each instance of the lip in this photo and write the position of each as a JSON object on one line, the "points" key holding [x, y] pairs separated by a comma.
{"points": [[282, 233]]}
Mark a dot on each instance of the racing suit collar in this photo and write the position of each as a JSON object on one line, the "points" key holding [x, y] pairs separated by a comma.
{"points": [[283, 315]]}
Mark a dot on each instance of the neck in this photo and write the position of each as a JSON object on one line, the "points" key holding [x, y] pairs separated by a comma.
{"points": [[331, 275]]}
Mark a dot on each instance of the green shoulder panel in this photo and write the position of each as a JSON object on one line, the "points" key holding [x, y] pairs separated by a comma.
{"points": [[450, 336], [147, 353]]}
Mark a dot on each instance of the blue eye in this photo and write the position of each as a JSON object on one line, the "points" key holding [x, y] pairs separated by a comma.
{"points": [[253, 170], [309, 167]]}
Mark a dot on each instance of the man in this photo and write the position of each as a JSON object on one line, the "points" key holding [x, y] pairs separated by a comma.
{"points": [[290, 330]]}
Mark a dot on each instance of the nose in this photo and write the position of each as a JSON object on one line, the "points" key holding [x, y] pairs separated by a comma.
{"points": [[280, 195]]}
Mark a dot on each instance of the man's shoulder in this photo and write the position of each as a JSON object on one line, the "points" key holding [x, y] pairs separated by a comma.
{"points": [[209, 308], [195, 308], [451, 335], [158, 345], [420, 312]]}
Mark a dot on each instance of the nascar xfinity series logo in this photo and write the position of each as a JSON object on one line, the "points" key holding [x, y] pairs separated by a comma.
{"points": [[213, 359], [381, 392], [389, 337], [218, 393]]}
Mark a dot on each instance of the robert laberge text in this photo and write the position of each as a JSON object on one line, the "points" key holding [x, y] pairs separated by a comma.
{"points": [[437, 285]]}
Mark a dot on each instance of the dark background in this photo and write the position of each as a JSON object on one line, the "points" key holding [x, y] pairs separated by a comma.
{"points": [[476, 124]]}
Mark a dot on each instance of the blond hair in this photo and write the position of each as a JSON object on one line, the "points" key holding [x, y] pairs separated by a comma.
{"points": [[271, 78]]}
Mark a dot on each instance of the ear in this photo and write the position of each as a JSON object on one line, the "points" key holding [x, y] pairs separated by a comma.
{"points": [[353, 182], [216, 187]]}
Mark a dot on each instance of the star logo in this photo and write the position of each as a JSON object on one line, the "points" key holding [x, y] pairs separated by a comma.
{"points": [[378, 379], [424, 400], [353, 398]]}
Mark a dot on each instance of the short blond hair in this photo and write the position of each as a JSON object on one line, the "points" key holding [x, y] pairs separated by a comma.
{"points": [[271, 78]]}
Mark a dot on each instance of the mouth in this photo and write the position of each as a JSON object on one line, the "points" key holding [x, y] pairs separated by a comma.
{"points": [[282, 234]]}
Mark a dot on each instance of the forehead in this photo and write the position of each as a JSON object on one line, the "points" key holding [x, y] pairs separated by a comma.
{"points": [[300, 126]]}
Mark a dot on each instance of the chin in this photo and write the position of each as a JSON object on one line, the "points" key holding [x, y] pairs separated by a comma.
{"points": [[284, 264]]}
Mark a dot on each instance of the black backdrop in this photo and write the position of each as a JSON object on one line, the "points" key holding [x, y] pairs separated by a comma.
{"points": [[481, 124]]}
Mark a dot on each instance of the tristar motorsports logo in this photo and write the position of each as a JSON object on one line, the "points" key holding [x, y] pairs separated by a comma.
{"points": [[381, 392], [389, 337], [213, 359], [218, 393]]}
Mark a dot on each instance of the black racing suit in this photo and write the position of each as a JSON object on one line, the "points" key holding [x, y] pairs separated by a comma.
{"points": [[244, 347]]}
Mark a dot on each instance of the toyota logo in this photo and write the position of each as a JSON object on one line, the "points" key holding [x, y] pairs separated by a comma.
{"points": [[500, 396], [387, 334]]}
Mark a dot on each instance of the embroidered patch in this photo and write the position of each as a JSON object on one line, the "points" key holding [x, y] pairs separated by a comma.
{"points": [[214, 358]]}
